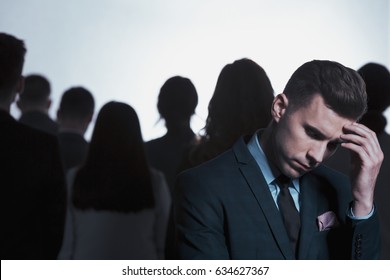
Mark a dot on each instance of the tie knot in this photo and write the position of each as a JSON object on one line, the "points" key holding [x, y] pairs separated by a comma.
{"points": [[283, 181]]}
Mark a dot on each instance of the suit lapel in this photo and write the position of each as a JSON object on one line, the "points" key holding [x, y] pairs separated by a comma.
{"points": [[252, 173], [308, 213]]}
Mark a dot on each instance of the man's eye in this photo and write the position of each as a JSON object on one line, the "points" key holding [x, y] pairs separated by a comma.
{"points": [[312, 134]]}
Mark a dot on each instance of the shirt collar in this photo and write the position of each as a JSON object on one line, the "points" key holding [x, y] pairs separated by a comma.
{"points": [[257, 152]]}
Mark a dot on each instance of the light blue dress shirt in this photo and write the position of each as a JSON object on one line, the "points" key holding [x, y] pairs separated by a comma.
{"points": [[258, 153]]}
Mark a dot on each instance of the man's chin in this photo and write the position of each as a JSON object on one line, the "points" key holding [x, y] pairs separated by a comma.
{"points": [[294, 173]]}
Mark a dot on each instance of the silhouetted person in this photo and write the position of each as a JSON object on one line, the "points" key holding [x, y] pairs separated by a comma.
{"points": [[33, 193], [118, 205], [74, 116], [34, 103], [269, 197], [377, 79], [177, 102], [240, 105]]}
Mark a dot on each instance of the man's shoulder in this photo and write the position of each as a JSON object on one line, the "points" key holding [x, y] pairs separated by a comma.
{"points": [[227, 159], [40, 121], [26, 137], [222, 161]]}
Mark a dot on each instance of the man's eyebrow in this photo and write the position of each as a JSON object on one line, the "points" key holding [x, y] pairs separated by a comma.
{"points": [[319, 135], [315, 131]]}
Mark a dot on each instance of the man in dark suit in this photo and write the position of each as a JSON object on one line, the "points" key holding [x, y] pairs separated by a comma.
{"points": [[269, 197], [33, 192], [34, 103], [74, 116]]}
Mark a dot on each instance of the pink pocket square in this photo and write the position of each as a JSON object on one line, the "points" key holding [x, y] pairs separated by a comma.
{"points": [[327, 221]]}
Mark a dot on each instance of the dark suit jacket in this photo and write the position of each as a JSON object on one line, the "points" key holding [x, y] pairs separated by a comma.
{"points": [[39, 121], [33, 193], [166, 153], [224, 210], [73, 148]]}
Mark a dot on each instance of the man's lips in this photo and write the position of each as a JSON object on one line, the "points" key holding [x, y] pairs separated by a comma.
{"points": [[302, 166]]}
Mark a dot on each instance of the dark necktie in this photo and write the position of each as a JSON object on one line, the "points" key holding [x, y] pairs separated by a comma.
{"points": [[289, 212]]}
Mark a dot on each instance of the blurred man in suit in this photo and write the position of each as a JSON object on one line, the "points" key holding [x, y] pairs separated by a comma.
{"points": [[33, 193], [34, 103], [74, 116]]}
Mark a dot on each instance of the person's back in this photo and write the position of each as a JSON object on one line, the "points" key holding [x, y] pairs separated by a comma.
{"points": [[74, 116], [177, 102], [240, 105], [34, 103], [33, 184], [377, 79], [33, 192], [118, 207]]}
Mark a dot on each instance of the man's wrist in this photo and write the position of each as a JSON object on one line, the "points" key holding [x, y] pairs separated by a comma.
{"points": [[360, 213]]}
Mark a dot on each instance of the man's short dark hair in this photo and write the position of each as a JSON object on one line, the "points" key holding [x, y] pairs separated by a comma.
{"points": [[77, 103], [341, 87], [36, 89], [12, 52]]}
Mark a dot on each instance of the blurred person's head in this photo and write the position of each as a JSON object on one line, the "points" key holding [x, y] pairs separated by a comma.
{"points": [[177, 102], [115, 175], [241, 102], [36, 94], [76, 109], [377, 79], [12, 53], [240, 105]]}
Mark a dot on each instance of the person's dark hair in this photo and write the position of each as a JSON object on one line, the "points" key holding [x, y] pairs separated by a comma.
{"points": [[241, 102], [177, 100], [377, 79], [12, 53], [341, 87], [36, 89], [240, 105], [76, 103], [115, 176]]}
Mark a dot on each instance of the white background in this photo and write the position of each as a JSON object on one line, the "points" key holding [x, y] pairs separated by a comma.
{"points": [[125, 50], [112, 270]]}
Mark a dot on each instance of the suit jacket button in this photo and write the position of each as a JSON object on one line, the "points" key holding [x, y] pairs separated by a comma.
{"points": [[358, 251]]}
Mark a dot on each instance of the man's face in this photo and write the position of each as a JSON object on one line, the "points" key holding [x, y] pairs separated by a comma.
{"points": [[305, 137]]}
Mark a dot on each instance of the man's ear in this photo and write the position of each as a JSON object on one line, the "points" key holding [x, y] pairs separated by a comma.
{"points": [[279, 106]]}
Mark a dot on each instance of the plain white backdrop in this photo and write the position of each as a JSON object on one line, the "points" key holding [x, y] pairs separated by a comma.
{"points": [[125, 50]]}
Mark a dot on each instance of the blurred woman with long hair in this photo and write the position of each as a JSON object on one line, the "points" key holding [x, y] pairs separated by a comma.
{"points": [[241, 104], [118, 205]]}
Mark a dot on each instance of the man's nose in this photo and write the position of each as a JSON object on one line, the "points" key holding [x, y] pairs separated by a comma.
{"points": [[316, 153]]}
